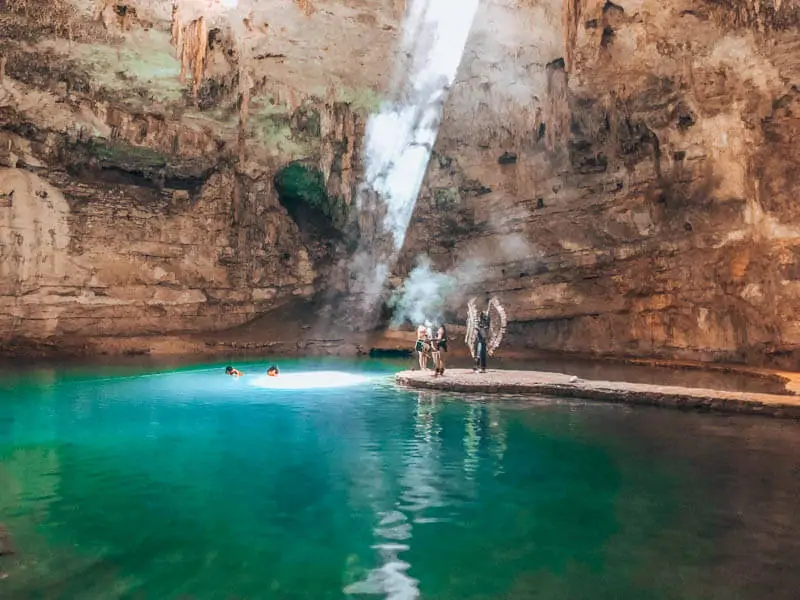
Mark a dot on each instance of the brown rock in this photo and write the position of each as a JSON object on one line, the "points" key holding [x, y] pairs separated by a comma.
{"points": [[649, 209]]}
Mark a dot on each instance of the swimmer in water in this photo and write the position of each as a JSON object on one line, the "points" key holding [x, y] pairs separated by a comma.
{"points": [[232, 372], [273, 371]]}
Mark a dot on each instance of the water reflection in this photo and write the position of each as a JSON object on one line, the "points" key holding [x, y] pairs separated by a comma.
{"points": [[391, 578], [472, 440], [429, 490], [420, 492], [497, 435], [421, 478], [29, 486]]}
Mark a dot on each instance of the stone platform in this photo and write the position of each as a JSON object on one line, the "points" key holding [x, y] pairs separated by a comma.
{"points": [[562, 385]]}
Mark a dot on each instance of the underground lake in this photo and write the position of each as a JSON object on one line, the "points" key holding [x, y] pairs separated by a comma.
{"points": [[332, 482]]}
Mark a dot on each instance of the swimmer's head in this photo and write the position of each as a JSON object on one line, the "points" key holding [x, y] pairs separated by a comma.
{"points": [[228, 370], [273, 371]]}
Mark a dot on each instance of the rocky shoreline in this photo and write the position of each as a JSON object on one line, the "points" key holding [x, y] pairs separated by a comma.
{"points": [[567, 386]]}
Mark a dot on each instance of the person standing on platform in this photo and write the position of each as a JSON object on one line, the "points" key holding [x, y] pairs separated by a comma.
{"points": [[440, 344], [481, 342], [423, 347]]}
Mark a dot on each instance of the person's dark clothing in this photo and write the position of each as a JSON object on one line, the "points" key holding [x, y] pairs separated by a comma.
{"points": [[441, 340], [481, 340], [480, 354]]}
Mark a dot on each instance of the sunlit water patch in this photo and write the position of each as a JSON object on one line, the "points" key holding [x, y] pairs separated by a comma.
{"points": [[312, 380]]}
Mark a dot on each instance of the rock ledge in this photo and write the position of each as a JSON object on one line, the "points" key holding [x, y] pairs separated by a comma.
{"points": [[562, 385]]}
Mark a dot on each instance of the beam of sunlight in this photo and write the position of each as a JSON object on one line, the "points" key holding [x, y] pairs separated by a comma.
{"points": [[399, 139]]}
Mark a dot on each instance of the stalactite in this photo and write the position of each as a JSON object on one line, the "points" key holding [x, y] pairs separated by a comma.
{"points": [[244, 86], [125, 19], [198, 51], [99, 8], [761, 15], [104, 12], [557, 114], [177, 30], [2, 68], [245, 81], [571, 15], [191, 43]]}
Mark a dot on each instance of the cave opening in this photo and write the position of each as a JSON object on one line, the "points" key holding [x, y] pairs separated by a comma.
{"points": [[302, 192]]}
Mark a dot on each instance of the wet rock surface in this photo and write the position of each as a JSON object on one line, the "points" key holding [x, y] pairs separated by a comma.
{"points": [[568, 386]]}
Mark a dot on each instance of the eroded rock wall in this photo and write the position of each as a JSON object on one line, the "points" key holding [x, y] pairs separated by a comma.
{"points": [[153, 228], [113, 259], [661, 220]]}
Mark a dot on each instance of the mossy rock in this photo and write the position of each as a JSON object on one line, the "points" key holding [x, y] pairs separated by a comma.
{"points": [[126, 155], [445, 197], [274, 131], [302, 183], [445, 162], [306, 120]]}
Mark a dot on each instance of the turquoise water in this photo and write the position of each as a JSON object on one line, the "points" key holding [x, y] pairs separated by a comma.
{"points": [[118, 483]]}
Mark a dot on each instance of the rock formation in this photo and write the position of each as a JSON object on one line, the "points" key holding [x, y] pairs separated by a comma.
{"points": [[625, 171]]}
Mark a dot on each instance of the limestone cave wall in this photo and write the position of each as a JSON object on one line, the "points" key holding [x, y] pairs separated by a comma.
{"points": [[654, 192], [622, 174]]}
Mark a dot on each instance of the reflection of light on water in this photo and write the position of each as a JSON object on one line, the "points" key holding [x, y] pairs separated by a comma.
{"points": [[310, 380], [390, 579], [426, 407], [421, 479], [420, 492], [472, 440], [497, 434]]}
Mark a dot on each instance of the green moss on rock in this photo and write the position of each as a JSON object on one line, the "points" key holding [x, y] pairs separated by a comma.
{"points": [[445, 197], [306, 120], [126, 155], [301, 189]]}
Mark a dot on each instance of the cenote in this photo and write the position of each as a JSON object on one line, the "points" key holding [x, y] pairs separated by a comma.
{"points": [[186, 483]]}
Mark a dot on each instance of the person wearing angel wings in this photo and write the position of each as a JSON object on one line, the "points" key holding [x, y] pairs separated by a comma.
{"points": [[485, 331]]}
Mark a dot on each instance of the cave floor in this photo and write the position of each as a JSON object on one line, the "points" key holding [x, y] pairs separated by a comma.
{"points": [[568, 386]]}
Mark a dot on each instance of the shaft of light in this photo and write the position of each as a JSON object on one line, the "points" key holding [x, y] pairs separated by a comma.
{"points": [[400, 138]]}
